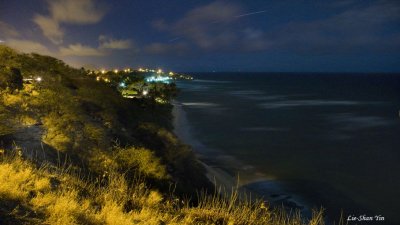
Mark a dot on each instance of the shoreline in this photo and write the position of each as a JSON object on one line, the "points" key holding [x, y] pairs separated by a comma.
{"points": [[228, 173]]}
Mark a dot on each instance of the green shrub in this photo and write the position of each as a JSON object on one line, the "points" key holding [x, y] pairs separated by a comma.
{"points": [[142, 160], [10, 78]]}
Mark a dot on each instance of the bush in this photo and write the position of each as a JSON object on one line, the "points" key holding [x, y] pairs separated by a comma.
{"points": [[9, 57], [58, 196], [81, 118], [10, 78], [142, 160]]}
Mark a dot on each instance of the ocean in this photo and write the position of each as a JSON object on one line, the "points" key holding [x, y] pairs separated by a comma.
{"points": [[331, 139]]}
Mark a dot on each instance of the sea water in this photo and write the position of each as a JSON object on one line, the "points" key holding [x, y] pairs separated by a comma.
{"points": [[332, 138]]}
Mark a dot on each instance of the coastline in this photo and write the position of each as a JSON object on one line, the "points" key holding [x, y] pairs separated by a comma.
{"points": [[182, 130], [228, 173]]}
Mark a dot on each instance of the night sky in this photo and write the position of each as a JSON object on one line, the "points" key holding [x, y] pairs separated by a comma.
{"points": [[194, 35]]}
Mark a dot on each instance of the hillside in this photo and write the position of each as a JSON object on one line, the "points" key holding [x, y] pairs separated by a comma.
{"points": [[74, 151]]}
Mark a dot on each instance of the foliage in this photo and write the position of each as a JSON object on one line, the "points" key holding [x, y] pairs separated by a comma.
{"points": [[6, 126], [9, 57], [10, 78], [142, 160], [180, 159], [51, 195], [71, 117], [163, 91]]}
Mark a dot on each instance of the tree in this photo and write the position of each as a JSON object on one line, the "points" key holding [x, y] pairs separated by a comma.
{"points": [[8, 56], [10, 78]]}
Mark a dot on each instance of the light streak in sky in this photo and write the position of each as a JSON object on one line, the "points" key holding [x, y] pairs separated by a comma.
{"points": [[242, 15], [251, 13], [219, 21], [174, 39]]}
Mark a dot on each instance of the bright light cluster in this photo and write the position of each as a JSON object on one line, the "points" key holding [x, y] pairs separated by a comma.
{"points": [[158, 79]]}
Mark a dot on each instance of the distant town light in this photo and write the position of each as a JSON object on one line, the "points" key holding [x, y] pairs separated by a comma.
{"points": [[98, 78], [160, 100], [122, 84], [171, 73], [103, 71], [115, 71], [159, 71], [38, 79], [145, 92], [158, 79]]}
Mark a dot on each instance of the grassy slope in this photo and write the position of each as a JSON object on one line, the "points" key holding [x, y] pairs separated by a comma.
{"points": [[124, 164]]}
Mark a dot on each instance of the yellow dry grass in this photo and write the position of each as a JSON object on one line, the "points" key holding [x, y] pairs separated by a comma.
{"points": [[60, 196]]}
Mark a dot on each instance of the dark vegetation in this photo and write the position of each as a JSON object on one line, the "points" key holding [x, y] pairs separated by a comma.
{"points": [[89, 122], [73, 151]]}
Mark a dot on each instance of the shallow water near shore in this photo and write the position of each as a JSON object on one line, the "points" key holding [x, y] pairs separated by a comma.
{"points": [[330, 140], [230, 174]]}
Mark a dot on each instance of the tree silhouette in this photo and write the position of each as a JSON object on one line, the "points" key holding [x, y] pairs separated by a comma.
{"points": [[10, 78]]}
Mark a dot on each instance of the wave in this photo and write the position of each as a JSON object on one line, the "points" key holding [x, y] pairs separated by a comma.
{"points": [[247, 92], [256, 95], [200, 104], [301, 103], [194, 88], [212, 81], [350, 121], [265, 129], [225, 170]]}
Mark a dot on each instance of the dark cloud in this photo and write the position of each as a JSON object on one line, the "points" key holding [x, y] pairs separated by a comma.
{"points": [[28, 46], [345, 35], [105, 47], [167, 49], [7, 30], [159, 24], [110, 43], [78, 12], [356, 29], [213, 27], [80, 50]]}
